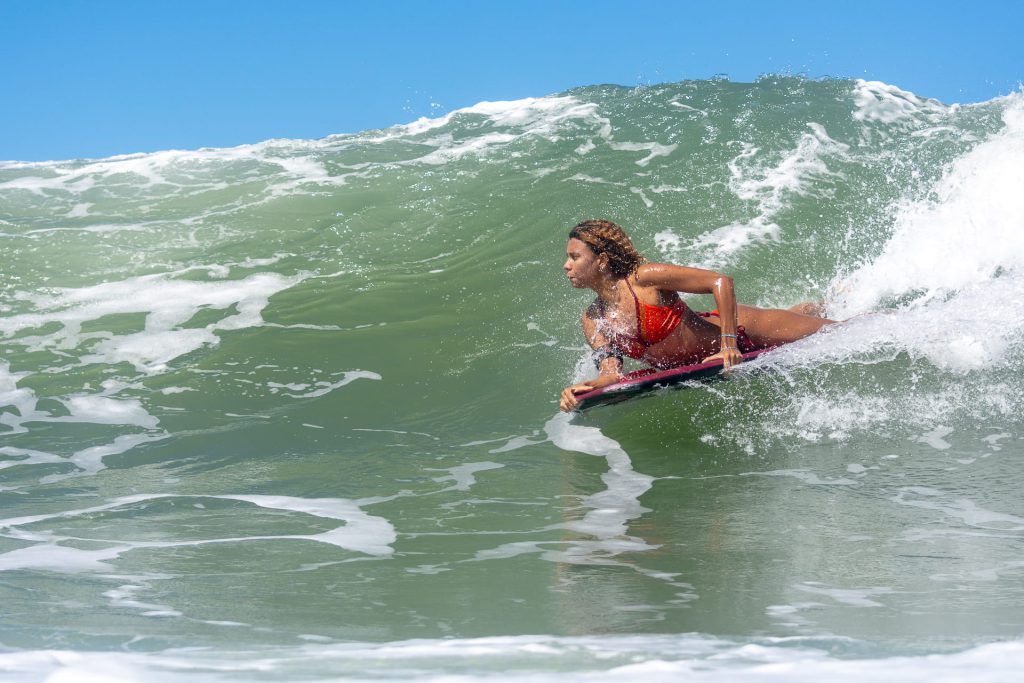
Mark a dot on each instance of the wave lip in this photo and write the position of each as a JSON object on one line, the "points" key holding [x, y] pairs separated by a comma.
{"points": [[966, 232]]}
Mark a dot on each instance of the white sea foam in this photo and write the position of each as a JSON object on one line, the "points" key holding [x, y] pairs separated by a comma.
{"points": [[280, 167], [22, 399], [531, 113], [609, 511], [517, 442], [962, 509], [653, 149], [686, 107], [24, 456], [518, 111], [528, 659], [514, 119], [879, 102], [767, 184], [60, 558], [967, 233], [463, 475], [584, 178], [361, 532], [613, 508], [935, 438], [320, 387], [124, 597], [956, 337], [103, 410], [90, 460], [961, 334], [93, 409], [527, 118], [856, 597], [166, 301], [98, 228]]}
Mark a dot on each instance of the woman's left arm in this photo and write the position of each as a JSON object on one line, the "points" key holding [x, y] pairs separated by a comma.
{"points": [[699, 281]]}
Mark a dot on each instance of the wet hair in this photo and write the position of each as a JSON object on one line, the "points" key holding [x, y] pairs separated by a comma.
{"points": [[605, 237]]}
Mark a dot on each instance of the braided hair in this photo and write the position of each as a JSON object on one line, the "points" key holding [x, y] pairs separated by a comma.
{"points": [[605, 237]]}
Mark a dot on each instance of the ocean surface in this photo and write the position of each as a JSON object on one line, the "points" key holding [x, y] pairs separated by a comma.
{"points": [[288, 411]]}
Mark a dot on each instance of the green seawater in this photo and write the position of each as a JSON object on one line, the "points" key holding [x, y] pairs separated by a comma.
{"points": [[288, 411]]}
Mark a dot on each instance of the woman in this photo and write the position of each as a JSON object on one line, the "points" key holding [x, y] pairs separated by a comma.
{"points": [[638, 312]]}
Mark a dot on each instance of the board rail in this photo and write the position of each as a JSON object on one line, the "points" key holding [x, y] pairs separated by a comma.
{"points": [[649, 379]]}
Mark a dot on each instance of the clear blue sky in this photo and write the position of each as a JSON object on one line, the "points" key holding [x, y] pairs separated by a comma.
{"points": [[95, 78]]}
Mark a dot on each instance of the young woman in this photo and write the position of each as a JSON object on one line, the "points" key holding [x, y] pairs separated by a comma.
{"points": [[638, 312]]}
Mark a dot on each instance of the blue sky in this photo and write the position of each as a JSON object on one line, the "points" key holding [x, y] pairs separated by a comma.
{"points": [[102, 77]]}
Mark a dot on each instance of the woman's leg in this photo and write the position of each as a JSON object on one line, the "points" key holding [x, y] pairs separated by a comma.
{"points": [[771, 326], [814, 308]]}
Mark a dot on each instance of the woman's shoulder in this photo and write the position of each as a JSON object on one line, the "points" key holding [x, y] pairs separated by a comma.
{"points": [[595, 310], [651, 274]]}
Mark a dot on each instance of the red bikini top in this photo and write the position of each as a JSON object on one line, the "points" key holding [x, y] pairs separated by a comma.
{"points": [[653, 324]]}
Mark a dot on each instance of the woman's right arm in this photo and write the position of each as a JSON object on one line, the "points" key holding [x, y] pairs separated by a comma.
{"points": [[609, 367]]}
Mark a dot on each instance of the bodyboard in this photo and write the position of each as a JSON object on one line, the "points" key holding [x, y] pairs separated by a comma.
{"points": [[649, 379]]}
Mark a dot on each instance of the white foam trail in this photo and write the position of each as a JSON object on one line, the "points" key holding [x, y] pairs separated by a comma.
{"points": [[167, 303], [108, 411], [361, 532], [60, 558], [323, 388], [527, 659], [87, 461], [518, 120], [653, 149], [21, 399], [611, 509], [124, 597], [768, 187], [188, 171], [534, 113], [463, 477], [964, 510], [686, 107], [974, 330], [25, 456], [855, 597], [879, 102], [90, 460], [93, 409]]}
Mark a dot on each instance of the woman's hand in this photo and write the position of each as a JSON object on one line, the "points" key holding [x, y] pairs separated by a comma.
{"points": [[567, 402], [729, 356]]}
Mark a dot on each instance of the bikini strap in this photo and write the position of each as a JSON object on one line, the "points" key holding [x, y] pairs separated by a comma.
{"points": [[639, 321], [606, 351]]}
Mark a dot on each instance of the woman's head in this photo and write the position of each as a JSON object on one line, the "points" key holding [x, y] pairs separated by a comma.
{"points": [[608, 239]]}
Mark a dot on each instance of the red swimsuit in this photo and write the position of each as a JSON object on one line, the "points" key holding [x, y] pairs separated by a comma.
{"points": [[655, 323]]}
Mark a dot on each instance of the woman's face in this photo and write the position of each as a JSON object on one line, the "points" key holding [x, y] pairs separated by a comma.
{"points": [[582, 266]]}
